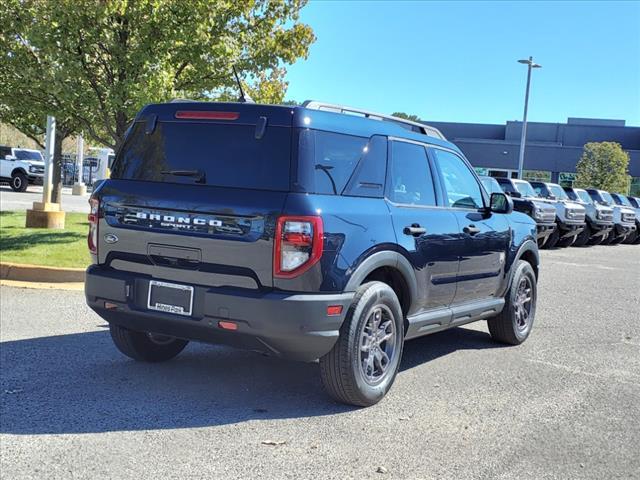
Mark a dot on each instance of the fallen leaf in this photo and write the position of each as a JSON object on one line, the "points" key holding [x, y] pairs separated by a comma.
{"points": [[381, 470], [274, 442], [14, 391]]}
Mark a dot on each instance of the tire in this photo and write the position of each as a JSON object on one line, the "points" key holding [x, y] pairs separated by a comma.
{"points": [[566, 242], [596, 240], [552, 240], [145, 347], [19, 182], [631, 238], [583, 238], [609, 238], [510, 326], [345, 369]]}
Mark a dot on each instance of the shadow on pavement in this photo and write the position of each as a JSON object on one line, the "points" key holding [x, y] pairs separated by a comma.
{"points": [[80, 383]]}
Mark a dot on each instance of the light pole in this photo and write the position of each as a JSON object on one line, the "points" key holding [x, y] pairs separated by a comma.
{"points": [[523, 138]]}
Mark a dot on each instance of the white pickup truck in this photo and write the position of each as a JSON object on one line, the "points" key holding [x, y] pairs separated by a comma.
{"points": [[21, 167]]}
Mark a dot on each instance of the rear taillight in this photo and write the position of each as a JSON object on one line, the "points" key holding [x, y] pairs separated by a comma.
{"points": [[94, 214], [298, 245]]}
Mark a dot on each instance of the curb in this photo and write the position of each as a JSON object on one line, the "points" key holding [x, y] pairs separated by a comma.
{"points": [[68, 286], [40, 274]]}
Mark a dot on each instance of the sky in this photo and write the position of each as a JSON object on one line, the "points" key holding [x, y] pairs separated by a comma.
{"points": [[457, 61]]}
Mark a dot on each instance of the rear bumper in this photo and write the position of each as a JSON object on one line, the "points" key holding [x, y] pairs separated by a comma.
{"points": [[293, 326]]}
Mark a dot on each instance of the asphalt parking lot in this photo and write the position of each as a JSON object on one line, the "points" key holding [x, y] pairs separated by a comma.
{"points": [[566, 404], [20, 201]]}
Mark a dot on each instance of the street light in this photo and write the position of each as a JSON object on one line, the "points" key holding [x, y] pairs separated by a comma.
{"points": [[523, 138]]}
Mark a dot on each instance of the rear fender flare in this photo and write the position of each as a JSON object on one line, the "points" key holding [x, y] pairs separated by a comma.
{"points": [[385, 259]]}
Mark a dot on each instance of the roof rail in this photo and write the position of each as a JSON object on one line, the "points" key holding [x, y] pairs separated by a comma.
{"points": [[408, 124]]}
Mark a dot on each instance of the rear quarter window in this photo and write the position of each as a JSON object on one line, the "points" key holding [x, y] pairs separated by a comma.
{"points": [[337, 164]]}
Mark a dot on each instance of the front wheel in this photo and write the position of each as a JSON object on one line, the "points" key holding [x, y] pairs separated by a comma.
{"points": [[583, 238], [144, 346], [566, 242], [363, 363], [552, 240], [513, 325], [19, 182]]}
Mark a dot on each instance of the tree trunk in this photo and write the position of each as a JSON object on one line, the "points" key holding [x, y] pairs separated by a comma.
{"points": [[56, 191]]}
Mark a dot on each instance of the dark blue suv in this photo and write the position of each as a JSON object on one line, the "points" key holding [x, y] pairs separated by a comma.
{"points": [[313, 232]]}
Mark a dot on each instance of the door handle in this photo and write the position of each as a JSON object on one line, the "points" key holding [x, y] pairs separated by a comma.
{"points": [[415, 229], [471, 230]]}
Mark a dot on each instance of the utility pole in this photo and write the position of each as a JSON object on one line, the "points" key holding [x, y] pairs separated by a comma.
{"points": [[46, 214], [523, 137]]}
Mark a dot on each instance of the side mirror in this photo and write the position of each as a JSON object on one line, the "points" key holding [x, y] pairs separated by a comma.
{"points": [[516, 195], [11, 158], [552, 197], [500, 203]]}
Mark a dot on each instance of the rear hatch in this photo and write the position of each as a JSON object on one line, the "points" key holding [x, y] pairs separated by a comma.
{"points": [[195, 192]]}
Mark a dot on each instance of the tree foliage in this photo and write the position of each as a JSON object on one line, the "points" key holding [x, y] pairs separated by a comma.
{"points": [[603, 165], [406, 116], [93, 64]]}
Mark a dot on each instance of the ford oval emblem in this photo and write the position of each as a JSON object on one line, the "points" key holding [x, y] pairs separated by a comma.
{"points": [[110, 238]]}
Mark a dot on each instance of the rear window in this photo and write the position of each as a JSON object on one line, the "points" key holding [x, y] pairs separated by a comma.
{"points": [[215, 154]]}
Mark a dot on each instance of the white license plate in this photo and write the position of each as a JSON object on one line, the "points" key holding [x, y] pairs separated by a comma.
{"points": [[170, 298]]}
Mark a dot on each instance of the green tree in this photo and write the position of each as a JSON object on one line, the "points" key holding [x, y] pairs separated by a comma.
{"points": [[93, 64], [406, 116], [603, 165]]}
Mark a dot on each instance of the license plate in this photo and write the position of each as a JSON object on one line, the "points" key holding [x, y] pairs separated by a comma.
{"points": [[170, 298]]}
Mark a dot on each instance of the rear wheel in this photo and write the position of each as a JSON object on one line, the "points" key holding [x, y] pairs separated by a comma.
{"points": [[583, 238], [19, 182], [144, 346], [553, 239], [513, 325], [363, 363]]}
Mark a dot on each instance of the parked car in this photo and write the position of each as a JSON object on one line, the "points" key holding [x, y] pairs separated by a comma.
{"points": [[21, 167], [570, 216], [624, 218], [599, 218], [525, 201], [635, 203], [623, 202], [305, 233]]}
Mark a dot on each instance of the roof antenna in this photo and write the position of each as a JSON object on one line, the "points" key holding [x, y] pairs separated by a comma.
{"points": [[244, 97]]}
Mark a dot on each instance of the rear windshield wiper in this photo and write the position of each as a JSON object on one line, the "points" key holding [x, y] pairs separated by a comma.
{"points": [[187, 173]]}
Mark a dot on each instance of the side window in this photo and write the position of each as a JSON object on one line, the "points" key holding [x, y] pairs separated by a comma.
{"points": [[410, 180], [540, 190], [463, 190], [507, 187]]}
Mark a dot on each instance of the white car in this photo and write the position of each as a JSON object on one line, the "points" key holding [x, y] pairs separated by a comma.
{"points": [[21, 167]]}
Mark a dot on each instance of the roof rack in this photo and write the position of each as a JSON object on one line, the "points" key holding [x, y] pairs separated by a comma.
{"points": [[408, 124]]}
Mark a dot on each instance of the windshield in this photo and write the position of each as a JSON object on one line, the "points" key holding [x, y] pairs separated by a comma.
{"points": [[622, 200], [606, 196], [525, 189], [28, 155], [584, 196], [558, 192]]}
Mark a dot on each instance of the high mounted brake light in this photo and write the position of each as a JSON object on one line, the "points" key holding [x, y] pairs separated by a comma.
{"points": [[92, 237], [298, 245], [206, 115]]}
